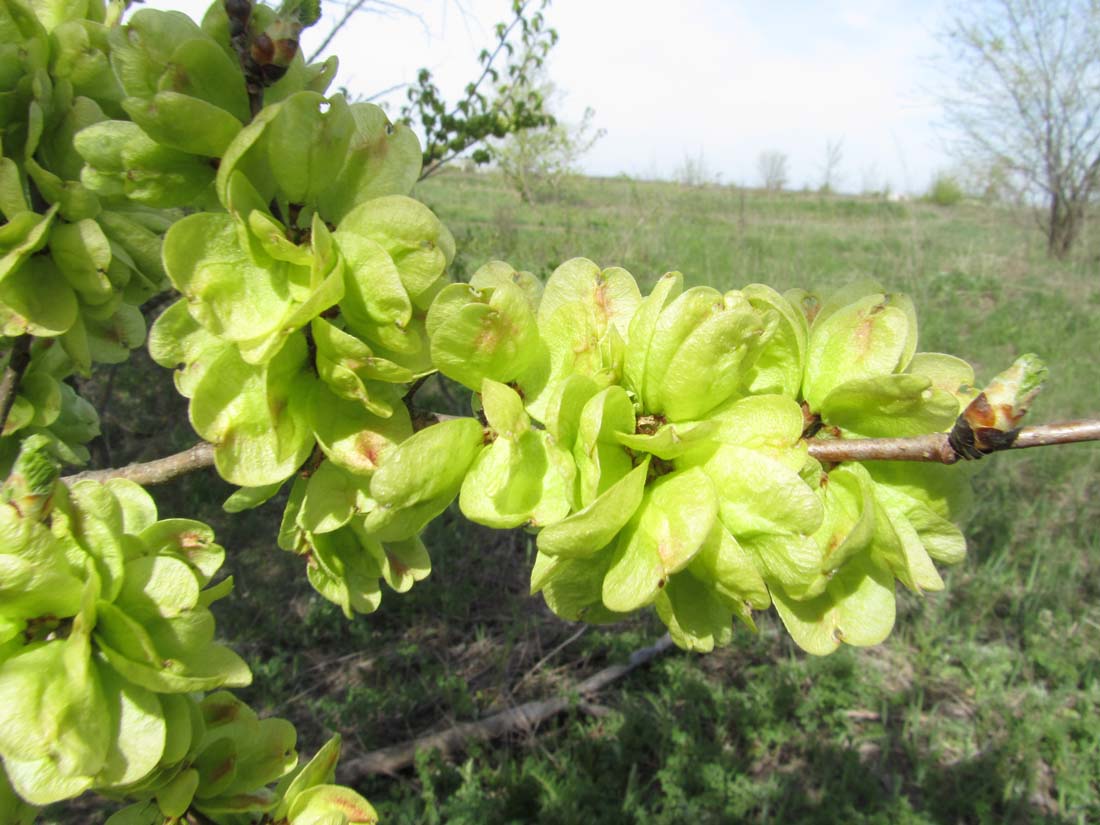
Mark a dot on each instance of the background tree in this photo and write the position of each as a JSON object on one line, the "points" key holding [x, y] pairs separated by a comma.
{"points": [[830, 167], [501, 101], [1024, 96], [772, 167], [538, 161]]}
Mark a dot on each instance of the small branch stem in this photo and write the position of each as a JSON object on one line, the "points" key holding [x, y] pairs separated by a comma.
{"points": [[934, 447], [194, 458], [13, 373]]}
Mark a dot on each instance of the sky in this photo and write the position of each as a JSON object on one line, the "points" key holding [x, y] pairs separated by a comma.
{"points": [[710, 83]]}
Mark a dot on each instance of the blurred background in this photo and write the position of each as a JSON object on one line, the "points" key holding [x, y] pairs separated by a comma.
{"points": [[791, 144]]}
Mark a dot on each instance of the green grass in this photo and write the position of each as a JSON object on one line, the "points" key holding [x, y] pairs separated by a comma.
{"points": [[984, 706]]}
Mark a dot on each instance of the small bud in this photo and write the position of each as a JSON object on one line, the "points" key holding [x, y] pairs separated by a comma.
{"points": [[991, 421], [33, 477]]}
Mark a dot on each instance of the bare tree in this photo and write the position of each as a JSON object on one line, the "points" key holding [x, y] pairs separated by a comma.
{"points": [[772, 167], [830, 169], [1024, 97]]}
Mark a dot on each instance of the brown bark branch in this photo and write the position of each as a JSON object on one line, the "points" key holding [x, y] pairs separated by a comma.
{"points": [[936, 447], [194, 458], [523, 717], [13, 373]]}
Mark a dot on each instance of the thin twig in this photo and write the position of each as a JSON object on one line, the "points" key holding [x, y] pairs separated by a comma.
{"points": [[13, 373], [194, 458], [538, 665], [352, 9], [384, 8], [936, 447], [522, 717]]}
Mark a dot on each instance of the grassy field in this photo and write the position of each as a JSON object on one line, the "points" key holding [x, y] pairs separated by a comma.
{"points": [[984, 706]]}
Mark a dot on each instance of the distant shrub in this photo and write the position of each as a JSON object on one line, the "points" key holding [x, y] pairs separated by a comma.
{"points": [[695, 172], [945, 191]]}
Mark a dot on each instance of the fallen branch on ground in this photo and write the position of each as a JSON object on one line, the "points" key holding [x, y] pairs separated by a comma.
{"points": [[522, 717]]}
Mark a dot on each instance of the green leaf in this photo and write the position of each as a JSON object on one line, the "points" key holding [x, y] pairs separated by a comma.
{"points": [[890, 406], [429, 465], [601, 461], [124, 161], [317, 805], [944, 489], [573, 588], [513, 482], [331, 496], [352, 436], [36, 300], [850, 518], [610, 296], [504, 410], [343, 573], [138, 730], [587, 531], [14, 810], [191, 541], [897, 544], [411, 235], [176, 797], [35, 577], [696, 619], [320, 770], [211, 667], [23, 235], [54, 722], [497, 339], [306, 144], [256, 416], [865, 339], [139, 511], [565, 404], [229, 292], [732, 571], [769, 424], [857, 608], [382, 159], [13, 200], [947, 373], [675, 518], [83, 254], [180, 121], [778, 367], [142, 49], [140, 813], [350, 369], [757, 494], [158, 585], [495, 273], [709, 364], [375, 303], [674, 324], [247, 498], [201, 68]]}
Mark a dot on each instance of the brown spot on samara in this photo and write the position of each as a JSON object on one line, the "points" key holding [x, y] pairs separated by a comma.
{"points": [[190, 540], [221, 713], [488, 336], [398, 566], [370, 446]]}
